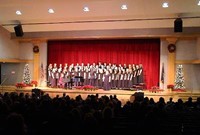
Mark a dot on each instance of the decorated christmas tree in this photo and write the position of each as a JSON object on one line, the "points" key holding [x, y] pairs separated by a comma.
{"points": [[179, 78], [26, 75]]}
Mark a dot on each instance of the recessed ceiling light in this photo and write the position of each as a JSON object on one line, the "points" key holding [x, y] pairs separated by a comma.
{"points": [[51, 11], [86, 9], [165, 5], [198, 3], [18, 12], [124, 7]]}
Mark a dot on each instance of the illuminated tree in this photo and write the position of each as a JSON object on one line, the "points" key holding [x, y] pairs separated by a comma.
{"points": [[179, 78], [26, 75]]}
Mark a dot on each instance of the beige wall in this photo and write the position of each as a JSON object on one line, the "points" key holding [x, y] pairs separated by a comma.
{"points": [[8, 48], [28, 54], [186, 49], [26, 51], [198, 48], [43, 60], [163, 60]]}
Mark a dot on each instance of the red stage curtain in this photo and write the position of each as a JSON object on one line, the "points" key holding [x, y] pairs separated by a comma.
{"points": [[129, 51]]}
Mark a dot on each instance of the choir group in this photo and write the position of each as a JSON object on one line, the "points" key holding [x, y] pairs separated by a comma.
{"points": [[102, 75]]}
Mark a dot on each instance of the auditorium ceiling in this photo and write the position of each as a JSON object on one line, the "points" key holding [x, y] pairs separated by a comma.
{"points": [[99, 18], [102, 14]]}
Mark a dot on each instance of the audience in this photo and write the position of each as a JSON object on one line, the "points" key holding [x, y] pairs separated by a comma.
{"points": [[24, 114], [15, 125]]}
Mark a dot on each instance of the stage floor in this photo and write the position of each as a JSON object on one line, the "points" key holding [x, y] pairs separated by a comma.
{"points": [[122, 95]]}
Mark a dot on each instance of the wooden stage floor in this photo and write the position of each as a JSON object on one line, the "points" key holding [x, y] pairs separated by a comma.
{"points": [[123, 95]]}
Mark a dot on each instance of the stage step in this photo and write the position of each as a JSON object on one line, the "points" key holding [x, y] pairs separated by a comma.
{"points": [[4, 89]]}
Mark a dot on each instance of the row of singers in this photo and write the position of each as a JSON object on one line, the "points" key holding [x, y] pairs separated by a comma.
{"points": [[115, 76]]}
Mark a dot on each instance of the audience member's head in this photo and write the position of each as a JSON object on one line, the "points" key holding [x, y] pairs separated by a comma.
{"points": [[15, 125]]}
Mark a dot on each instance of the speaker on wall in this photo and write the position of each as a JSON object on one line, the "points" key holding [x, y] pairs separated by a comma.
{"points": [[178, 25], [18, 30]]}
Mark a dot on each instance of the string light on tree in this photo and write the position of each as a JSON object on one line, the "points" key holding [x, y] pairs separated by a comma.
{"points": [[179, 78], [26, 75]]}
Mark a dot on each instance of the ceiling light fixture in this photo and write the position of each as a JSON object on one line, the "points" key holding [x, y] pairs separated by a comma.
{"points": [[86, 9], [165, 5], [18, 12], [198, 3], [51, 11], [124, 7]]}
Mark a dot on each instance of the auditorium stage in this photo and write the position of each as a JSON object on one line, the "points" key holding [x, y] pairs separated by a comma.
{"points": [[123, 95]]}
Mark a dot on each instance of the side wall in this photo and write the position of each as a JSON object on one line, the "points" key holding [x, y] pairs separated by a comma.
{"points": [[163, 62], [8, 48], [43, 64], [186, 49]]}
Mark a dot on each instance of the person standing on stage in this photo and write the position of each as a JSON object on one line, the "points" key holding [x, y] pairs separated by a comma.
{"points": [[81, 74], [140, 74], [86, 76], [100, 77], [99, 64], [65, 69], [61, 83], [113, 76], [107, 80], [104, 65], [126, 78], [137, 73], [76, 75], [96, 75], [109, 65], [71, 76], [125, 67], [110, 73], [54, 73], [130, 76], [134, 67], [66, 66], [59, 74], [50, 68], [122, 78], [116, 77], [92, 75], [66, 76]]}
